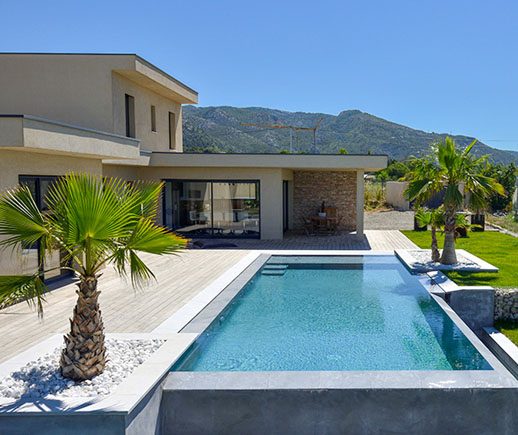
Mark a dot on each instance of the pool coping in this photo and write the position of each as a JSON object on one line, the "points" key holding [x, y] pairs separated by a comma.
{"points": [[436, 283]]}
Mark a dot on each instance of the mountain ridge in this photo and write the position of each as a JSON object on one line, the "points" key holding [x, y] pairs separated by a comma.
{"points": [[220, 129]]}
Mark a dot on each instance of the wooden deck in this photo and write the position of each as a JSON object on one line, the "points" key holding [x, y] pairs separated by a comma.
{"points": [[178, 280]]}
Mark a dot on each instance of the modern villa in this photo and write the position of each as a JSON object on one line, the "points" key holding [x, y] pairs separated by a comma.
{"points": [[120, 116], [273, 332]]}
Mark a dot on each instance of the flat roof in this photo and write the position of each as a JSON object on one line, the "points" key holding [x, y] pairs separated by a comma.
{"points": [[366, 162]]}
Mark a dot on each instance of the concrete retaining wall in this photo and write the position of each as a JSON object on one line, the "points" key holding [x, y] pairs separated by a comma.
{"points": [[360, 411], [473, 305], [506, 304]]}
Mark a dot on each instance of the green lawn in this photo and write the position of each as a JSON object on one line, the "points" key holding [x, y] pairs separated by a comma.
{"points": [[509, 329], [500, 250]]}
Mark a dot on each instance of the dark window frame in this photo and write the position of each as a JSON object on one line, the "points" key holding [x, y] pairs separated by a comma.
{"points": [[129, 108], [211, 181], [153, 118], [172, 130]]}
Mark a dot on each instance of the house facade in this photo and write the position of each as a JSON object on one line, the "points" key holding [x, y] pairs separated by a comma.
{"points": [[117, 115]]}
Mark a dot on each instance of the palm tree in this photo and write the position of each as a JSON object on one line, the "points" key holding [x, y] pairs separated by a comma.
{"points": [[435, 219], [451, 170], [92, 222]]}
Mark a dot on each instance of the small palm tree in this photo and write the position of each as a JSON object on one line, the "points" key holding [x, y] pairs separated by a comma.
{"points": [[435, 219], [448, 169], [93, 222]]}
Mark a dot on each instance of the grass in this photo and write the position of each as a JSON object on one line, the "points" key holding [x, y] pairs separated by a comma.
{"points": [[500, 250], [506, 222], [509, 329]]}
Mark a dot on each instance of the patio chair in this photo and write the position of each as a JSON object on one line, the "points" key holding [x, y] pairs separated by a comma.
{"points": [[307, 226], [331, 211], [336, 224]]}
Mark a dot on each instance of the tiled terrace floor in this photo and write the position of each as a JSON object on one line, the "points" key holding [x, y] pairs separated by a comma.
{"points": [[373, 240], [179, 278]]}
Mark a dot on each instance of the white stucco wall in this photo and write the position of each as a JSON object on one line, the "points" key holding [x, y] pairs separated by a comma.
{"points": [[394, 195]]}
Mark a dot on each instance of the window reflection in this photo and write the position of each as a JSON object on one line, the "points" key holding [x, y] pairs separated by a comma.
{"points": [[212, 209]]}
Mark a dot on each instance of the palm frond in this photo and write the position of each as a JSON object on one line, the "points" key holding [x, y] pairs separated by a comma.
{"points": [[20, 219], [139, 272], [31, 288], [91, 213], [149, 237], [149, 195], [423, 217]]}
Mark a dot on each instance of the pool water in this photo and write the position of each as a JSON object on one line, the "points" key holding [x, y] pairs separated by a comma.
{"points": [[332, 313]]}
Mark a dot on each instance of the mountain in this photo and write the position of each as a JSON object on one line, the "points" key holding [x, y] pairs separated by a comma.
{"points": [[221, 129]]}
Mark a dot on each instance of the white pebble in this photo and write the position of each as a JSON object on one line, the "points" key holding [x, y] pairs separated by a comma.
{"points": [[42, 376]]}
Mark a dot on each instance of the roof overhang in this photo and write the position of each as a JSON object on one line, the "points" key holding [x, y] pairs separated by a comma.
{"points": [[328, 162], [28, 133], [149, 76]]}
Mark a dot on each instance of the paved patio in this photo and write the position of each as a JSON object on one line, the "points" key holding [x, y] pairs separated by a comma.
{"points": [[179, 278], [373, 239]]}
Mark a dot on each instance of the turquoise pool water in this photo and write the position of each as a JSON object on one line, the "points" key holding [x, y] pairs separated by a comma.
{"points": [[332, 313]]}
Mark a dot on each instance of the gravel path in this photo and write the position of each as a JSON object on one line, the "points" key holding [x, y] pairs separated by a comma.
{"points": [[42, 377], [389, 220]]}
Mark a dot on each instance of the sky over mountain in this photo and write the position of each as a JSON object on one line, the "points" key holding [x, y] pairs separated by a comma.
{"points": [[447, 66], [221, 129]]}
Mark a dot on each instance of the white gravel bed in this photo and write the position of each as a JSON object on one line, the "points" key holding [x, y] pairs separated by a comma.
{"points": [[423, 258], [42, 377]]}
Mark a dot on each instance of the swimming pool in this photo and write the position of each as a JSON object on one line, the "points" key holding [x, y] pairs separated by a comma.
{"points": [[332, 313]]}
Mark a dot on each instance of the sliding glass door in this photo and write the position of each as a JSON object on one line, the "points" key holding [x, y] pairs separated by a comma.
{"points": [[222, 209]]}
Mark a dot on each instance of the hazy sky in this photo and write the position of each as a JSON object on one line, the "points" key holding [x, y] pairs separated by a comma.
{"points": [[443, 66]]}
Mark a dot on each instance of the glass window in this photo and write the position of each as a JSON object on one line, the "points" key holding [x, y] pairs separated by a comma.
{"points": [[153, 118], [129, 103], [200, 209], [188, 208], [235, 209], [172, 131]]}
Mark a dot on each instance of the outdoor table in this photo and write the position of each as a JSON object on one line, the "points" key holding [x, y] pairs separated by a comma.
{"points": [[318, 221]]}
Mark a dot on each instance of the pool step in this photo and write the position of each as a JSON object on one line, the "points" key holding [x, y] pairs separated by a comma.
{"points": [[276, 266], [274, 269]]}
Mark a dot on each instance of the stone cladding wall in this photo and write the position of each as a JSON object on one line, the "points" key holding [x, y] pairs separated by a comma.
{"points": [[337, 189]]}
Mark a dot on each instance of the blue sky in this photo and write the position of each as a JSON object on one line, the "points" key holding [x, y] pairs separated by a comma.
{"points": [[443, 66]]}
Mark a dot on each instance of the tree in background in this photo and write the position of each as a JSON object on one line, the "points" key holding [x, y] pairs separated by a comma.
{"points": [[394, 171], [93, 222], [448, 168], [506, 176], [435, 219]]}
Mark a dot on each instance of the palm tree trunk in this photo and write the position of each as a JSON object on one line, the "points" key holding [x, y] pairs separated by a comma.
{"points": [[84, 355], [435, 249], [448, 253]]}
